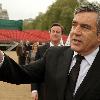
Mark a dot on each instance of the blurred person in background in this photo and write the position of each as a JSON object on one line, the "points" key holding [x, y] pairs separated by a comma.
{"points": [[34, 50], [20, 50], [56, 31], [28, 49]]}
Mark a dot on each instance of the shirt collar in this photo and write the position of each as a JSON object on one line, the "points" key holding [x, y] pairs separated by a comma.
{"points": [[89, 58], [51, 44]]}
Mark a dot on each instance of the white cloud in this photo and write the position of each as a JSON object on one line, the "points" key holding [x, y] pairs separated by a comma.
{"points": [[22, 9]]}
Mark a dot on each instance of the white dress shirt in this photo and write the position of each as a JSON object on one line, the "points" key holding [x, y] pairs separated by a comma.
{"points": [[1, 57], [51, 44], [84, 66]]}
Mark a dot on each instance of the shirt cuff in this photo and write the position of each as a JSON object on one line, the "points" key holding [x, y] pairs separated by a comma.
{"points": [[34, 91], [1, 58]]}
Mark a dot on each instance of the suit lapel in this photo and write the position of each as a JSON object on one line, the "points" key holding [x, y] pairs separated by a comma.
{"points": [[62, 71], [47, 45], [91, 78]]}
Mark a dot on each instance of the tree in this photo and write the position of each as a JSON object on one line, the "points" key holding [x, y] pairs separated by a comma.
{"points": [[61, 11], [80, 1]]}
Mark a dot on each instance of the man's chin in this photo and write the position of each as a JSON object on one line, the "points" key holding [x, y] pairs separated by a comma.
{"points": [[74, 48]]}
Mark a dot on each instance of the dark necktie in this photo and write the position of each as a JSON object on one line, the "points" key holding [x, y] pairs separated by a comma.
{"points": [[72, 77]]}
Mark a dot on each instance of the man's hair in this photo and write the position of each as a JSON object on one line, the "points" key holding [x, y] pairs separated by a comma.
{"points": [[57, 24], [90, 7]]}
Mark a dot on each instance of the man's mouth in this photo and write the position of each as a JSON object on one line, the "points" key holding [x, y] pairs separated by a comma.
{"points": [[76, 41]]}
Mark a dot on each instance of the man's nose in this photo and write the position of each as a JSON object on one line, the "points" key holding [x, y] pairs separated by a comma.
{"points": [[77, 30]]}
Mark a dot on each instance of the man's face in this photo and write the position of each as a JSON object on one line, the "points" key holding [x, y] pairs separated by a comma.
{"points": [[55, 34], [83, 35]]}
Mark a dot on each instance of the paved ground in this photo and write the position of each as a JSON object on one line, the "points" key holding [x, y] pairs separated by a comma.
{"points": [[14, 92]]}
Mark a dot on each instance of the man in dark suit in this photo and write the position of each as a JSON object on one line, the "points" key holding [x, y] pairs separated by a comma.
{"points": [[55, 67], [38, 90], [20, 50], [28, 49]]}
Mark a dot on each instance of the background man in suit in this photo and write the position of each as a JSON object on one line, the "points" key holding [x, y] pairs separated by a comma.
{"points": [[28, 49], [20, 50], [55, 67], [56, 31]]}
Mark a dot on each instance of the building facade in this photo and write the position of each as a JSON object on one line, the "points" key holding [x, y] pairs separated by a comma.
{"points": [[3, 13]]}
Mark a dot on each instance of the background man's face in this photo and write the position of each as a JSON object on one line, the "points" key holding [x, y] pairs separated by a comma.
{"points": [[55, 33]]}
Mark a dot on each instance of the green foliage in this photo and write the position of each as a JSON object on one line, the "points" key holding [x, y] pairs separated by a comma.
{"points": [[66, 19], [61, 11]]}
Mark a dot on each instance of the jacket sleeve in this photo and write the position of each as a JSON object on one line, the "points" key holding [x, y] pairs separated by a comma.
{"points": [[11, 72], [35, 86], [39, 54]]}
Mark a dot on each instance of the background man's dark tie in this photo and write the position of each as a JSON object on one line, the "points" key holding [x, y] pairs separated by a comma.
{"points": [[72, 78]]}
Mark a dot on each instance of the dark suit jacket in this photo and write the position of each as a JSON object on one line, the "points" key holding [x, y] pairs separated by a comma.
{"points": [[40, 86], [20, 50], [53, 69]]}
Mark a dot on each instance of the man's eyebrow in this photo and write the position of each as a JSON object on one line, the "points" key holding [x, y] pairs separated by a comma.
{"points": [[82, 25]]}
